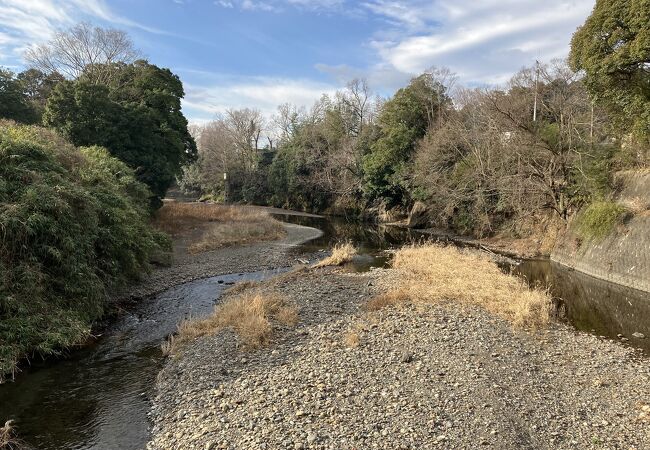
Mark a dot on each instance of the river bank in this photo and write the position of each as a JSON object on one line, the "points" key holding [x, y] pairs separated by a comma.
{"points": [[187, 266], [440, 376], [336, 359], [98, 396]]}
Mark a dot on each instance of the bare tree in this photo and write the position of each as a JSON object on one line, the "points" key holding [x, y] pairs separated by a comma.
{"points": [[245, 127], [551, 149], [443, 81], [84, 49], [286, 121], [355, 100]]}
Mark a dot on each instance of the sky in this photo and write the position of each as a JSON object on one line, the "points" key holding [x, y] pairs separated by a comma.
{"points": [[262, 53]]}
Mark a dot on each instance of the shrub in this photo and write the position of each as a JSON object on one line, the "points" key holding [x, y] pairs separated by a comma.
{"points": [[599, 218], [72, 223], [8, 439]]}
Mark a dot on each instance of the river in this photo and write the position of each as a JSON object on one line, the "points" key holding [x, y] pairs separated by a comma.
{"points": [[99, 396]]}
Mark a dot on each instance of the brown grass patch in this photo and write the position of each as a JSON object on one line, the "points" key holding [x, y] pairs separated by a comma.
{"points": [[8, 439], [242, 286], [388, 299], [432, 273], [249, 314], [227, 225], [341, 253]]}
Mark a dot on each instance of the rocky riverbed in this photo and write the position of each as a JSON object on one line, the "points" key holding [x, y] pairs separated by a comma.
{"points": [[439, 376], [187, 266]]}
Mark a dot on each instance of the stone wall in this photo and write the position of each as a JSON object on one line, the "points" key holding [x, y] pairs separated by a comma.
{"points": [[623, 257]]}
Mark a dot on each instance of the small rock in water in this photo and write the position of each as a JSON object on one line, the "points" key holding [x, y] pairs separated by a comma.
{"points": [[638, 335]]}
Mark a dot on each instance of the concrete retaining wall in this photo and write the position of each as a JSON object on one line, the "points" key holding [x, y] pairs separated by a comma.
{"points": [[623, 257]]}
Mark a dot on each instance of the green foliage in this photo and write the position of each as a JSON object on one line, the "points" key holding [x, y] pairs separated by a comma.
{"points": [[403, 121], [613, 49], [72, 222], [23, 96], [137, 118], [14, 104], [599, 218], [290, 179]]}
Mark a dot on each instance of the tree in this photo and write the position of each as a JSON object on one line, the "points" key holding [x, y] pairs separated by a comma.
{"points": [[14, 104], [403, 120], [355, 104], [245, 127], [37, 87], [137, 116], [613, 50], [84, 49]]}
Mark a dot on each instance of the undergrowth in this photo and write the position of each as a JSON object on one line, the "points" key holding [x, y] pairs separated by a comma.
{"points": [[8, 439], [341, 254], [599, 219], [73, 222], [226, 225]]}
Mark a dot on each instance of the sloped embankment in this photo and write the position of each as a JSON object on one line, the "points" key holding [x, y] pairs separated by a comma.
{"points": [[623, 255]]}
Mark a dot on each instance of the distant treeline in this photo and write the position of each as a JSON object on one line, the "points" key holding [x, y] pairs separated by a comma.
{"points": [[480, 160]]}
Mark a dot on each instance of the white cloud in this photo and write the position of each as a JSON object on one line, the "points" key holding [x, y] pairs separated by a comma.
{"points": [[280, 5], [251, 5], [25, 22], [205, 101], [484, 42]]}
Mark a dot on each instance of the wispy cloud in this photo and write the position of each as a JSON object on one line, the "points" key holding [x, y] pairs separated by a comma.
{"points": [[207, 99], [278, 6], [25, 22], [482, 41]]}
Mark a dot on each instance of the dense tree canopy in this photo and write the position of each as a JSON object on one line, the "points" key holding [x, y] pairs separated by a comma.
{"points": [[403, 120], [613, 49], [137, 116], [13, 102]]}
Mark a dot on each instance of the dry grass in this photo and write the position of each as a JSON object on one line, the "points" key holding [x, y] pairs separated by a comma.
{"points": [[242, 286], [8, 439], [249, 314], [341, 253], [387, 299], [227, 225], [432, 273]]}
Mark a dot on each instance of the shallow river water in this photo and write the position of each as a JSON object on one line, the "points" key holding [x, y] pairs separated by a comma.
{"points": [[98, 397]]}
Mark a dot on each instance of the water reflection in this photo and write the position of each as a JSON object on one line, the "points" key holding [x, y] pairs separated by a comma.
{"points": [[99, 397], [592, 304], [588, 303]]}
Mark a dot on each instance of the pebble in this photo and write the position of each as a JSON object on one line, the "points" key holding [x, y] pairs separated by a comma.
{"points": [[411, 384]]}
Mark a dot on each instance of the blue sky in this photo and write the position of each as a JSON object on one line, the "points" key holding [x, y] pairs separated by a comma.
{"points": [[261, 53]]}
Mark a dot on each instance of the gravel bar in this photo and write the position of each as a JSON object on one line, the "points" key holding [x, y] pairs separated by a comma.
{"points": [[440, 376], [188, 267]]}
